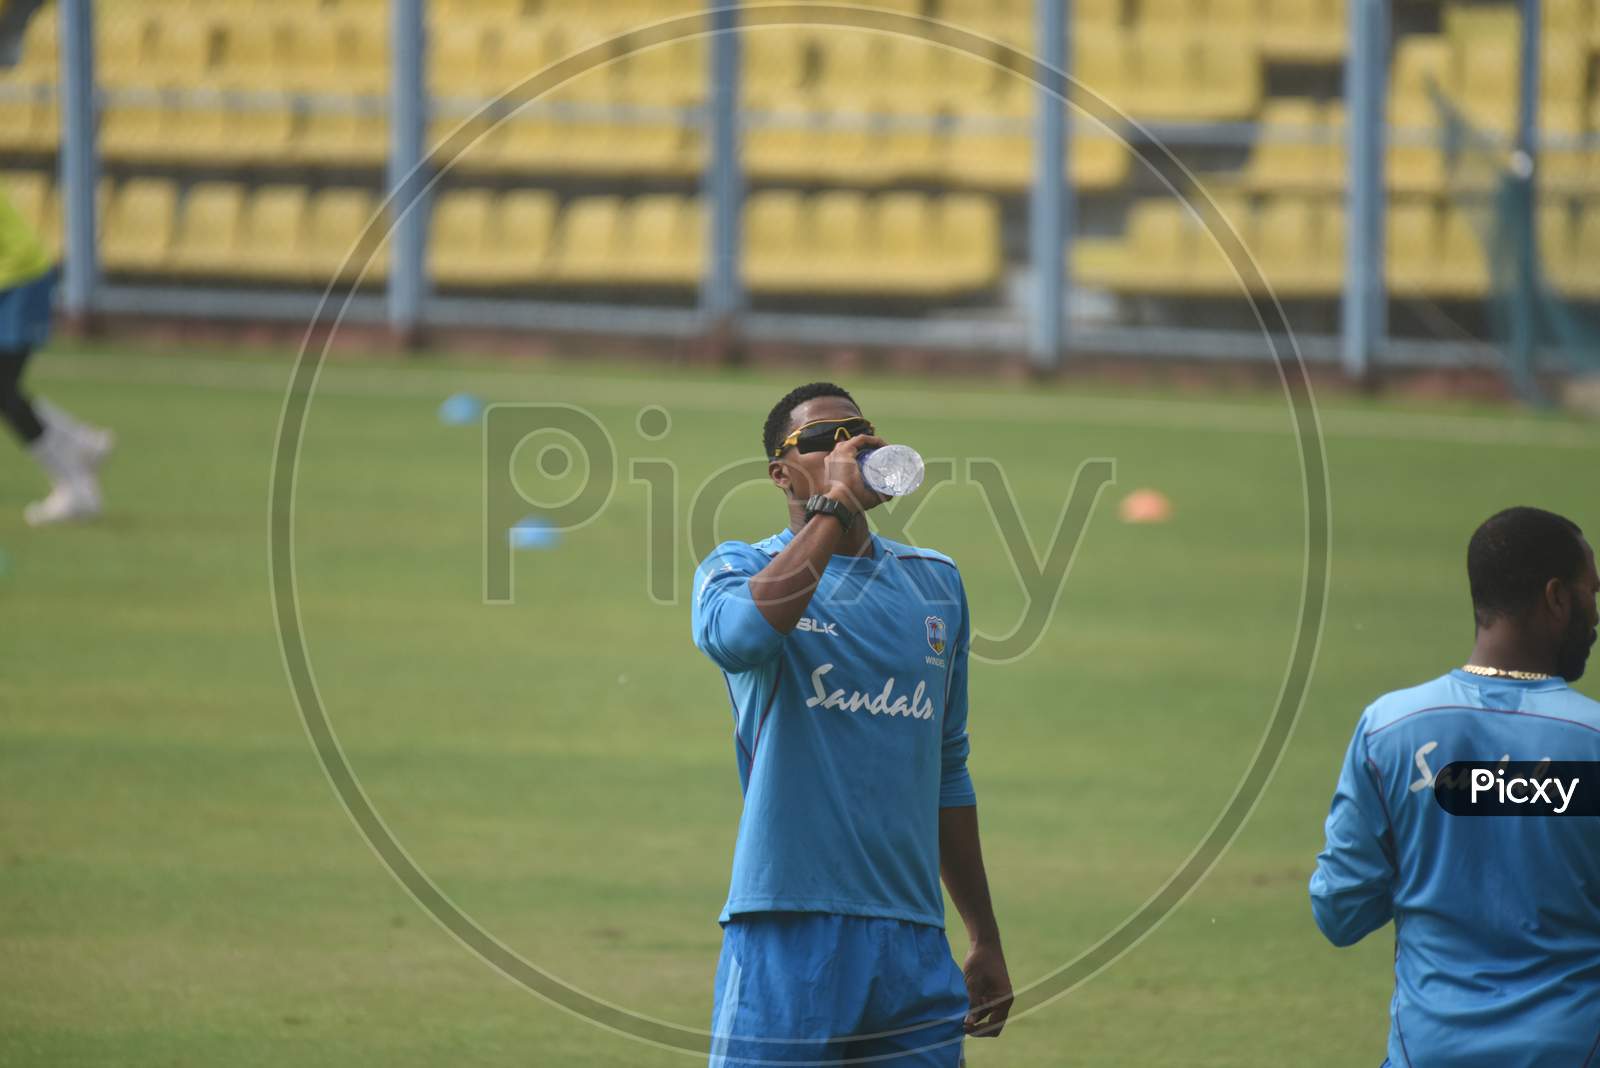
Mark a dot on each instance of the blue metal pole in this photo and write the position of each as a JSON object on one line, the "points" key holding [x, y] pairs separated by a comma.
{"points": [[1366, 76], [407, 112], [1522, 189], [79, 167], [1048, 199], [721, 296]]}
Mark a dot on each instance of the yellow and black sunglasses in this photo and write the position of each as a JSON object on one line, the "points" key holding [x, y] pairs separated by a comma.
{"points": [[821, 435]]}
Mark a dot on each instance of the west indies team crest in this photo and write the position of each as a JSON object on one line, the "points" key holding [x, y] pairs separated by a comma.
{"points": [[935, 634]]}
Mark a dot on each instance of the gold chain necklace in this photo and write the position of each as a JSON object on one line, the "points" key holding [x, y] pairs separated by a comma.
{"points": [[1504, 673]]}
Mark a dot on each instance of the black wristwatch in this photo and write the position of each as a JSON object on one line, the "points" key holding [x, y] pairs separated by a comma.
{"points": [[820, 505]]}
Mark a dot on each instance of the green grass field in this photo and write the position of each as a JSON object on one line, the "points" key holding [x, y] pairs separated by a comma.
{"points": [[180, 886]]}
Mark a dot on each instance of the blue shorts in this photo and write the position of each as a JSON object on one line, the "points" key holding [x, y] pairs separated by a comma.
{"points": [[825, 989], [25, 313]]}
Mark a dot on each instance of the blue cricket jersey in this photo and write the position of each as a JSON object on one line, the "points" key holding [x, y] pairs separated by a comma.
{"points": [[1497, 918], [850, 731]]}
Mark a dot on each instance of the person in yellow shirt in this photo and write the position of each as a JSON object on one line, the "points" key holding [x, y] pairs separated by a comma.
{"points": [[69, 451]]}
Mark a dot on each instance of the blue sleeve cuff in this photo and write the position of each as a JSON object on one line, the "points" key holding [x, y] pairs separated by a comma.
{"points": [[956, 790]]}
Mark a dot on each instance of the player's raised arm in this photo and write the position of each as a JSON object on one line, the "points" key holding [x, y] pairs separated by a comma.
{"points": [[784, 587]]}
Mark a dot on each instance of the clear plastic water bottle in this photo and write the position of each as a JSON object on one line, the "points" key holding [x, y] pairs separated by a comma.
{"points": [[894, 470]]}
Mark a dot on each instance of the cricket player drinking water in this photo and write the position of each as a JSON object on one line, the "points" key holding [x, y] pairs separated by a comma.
{"points": [[845, 658]]}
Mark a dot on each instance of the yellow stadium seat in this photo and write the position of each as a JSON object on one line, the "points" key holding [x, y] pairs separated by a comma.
{"points": [[851, 64], [1422, 65], [1330, 247], [1285, 245], [257, 48], [26, 120], [1225, 77], [662, 243], [207, 238], [785, 140], [1161, 86], [342, 130], [523, 50], [1102, 261], [969, 241], [194, 126], [849, 144], [459, 238], [261, 128], [965, 78], [1557, 247], [1102, 58], [1565, 20], [1585, 278], [1489, 73], [522, 239], [1335, 146], [138, 230], [905, 243], [459, 57], [1239, 20], [522, 143], [1563, 70], [1170, 16], [336, 222], [772, 259], [1288, 152], [139, 125], [839, 252], [992, 147], [1212, 271], [39, 48], [1097, 13], [1307, 31], [1481, 22], [582, 140], [187, 48], [908, 73], [125, 47], [774, 62], [657, 138], [1160, 243], [1463, 266], [339, 54], [1097, 159], [272, 235], [589, 245], [908, 146], [1410, 245], [675, 70]]}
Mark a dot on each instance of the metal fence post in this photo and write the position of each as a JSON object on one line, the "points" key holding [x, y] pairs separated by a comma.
{"points": [[407, 117], [720, 295], [79, 269], [1523, 186], [1366, 78], [1048, 199]]}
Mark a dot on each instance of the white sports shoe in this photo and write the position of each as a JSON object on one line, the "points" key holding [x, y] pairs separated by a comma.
{"points": [[68, 502], [70, 452]]}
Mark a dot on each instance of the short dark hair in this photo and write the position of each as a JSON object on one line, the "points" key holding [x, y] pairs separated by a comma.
{"points": [[1514, 554], [777, 427]]}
